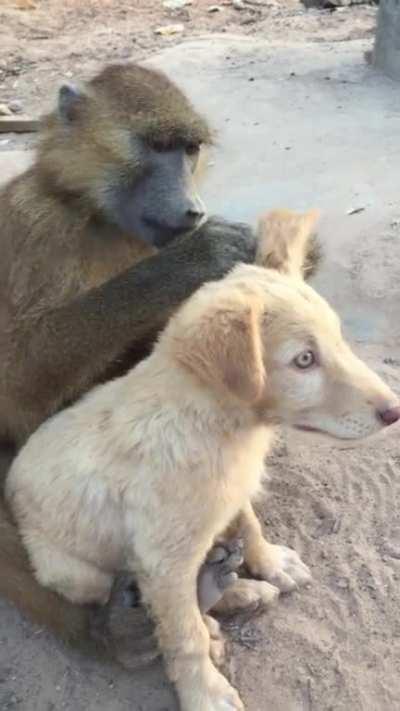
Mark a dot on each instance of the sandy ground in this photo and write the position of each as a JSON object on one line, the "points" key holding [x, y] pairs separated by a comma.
{"points": [[320, 128], [56, 40]]}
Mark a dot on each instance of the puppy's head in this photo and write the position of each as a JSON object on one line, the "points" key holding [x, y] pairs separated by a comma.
{"points": [[264, 339]]}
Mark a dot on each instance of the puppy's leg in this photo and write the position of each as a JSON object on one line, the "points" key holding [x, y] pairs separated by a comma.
{"points": [[78, 581], [217, 640], [185, 641], [279, 565]]}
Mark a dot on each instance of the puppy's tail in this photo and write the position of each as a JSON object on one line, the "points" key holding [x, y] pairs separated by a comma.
{"points": [[110, 633], [69, 622], [287, 242]]}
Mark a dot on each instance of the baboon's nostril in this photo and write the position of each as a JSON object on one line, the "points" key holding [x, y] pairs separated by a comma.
{"points": [[390, 416]]}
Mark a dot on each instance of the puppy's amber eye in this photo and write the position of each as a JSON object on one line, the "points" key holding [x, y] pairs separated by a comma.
{"points": [[304, 360]]}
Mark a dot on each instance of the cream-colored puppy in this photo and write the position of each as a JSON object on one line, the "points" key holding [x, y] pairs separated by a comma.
{"points": [[146, 471]]}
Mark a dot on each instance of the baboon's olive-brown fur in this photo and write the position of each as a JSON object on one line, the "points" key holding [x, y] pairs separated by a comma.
{"points": [[82, 298]]}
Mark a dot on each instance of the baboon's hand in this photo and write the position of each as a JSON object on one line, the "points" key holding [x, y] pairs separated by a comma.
{"points": [[218, 572], [217, 246], [233, 241]]}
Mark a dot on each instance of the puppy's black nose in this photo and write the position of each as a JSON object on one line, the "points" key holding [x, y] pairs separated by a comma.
{"points": [[390, 416]]}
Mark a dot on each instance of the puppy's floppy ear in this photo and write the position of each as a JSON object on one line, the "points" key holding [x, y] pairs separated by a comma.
{"points": [[286, 242], [222, 346]]}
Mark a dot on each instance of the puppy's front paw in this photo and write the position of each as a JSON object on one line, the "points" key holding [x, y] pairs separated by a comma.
{"points": [[224, 697], [280, 566], [213, 693]]}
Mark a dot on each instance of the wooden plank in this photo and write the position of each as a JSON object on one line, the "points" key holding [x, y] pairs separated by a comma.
{"points": [[18, 124]]}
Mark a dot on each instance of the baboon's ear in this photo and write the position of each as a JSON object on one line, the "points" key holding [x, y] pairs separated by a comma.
{"points": [[223, 347], [287, 242], [70, 101]]}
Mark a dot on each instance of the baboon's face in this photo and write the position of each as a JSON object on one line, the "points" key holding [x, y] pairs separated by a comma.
{"points": [[159, 202], [128, 143]]}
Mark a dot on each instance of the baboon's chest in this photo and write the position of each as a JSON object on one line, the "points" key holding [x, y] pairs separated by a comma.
{"points": [[105, 255]]}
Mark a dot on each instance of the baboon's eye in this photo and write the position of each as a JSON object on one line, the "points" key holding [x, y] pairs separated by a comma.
{"points": [[160, 147], [304, 360], [192, 149]]}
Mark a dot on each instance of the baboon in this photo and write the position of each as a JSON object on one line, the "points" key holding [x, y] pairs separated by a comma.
{"points": [[101, 240]]}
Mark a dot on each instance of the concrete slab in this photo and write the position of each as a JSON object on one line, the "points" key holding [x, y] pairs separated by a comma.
{"points": [[302, 126], [386, 54]]}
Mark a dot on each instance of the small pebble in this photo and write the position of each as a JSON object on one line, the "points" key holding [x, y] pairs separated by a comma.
{"points": [[176, 4], [15, 106], [5, 110], [355, 210], [169, 29]]}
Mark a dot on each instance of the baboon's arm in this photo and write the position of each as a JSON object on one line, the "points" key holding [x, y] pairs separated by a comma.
{"points": [[70, 347]]}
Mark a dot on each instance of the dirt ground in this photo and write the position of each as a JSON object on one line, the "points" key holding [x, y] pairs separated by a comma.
{"points": [[319, 129], [56, 40]]}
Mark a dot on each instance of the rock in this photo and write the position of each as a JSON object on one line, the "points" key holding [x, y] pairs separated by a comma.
{"points": [[392, 550], [355, 210], [169, 30], [334, 4], [386, 52], [215, 8], [5, 110], [15, 106], [238, 5], [18, 125], [176, 4]]}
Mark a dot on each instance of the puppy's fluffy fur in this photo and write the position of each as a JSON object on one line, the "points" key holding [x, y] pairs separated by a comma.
{"points": [[144, 472]]}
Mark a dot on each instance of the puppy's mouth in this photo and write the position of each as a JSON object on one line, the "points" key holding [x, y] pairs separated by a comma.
{"points": [[308, 428], [316, 431], [347, 442]]}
